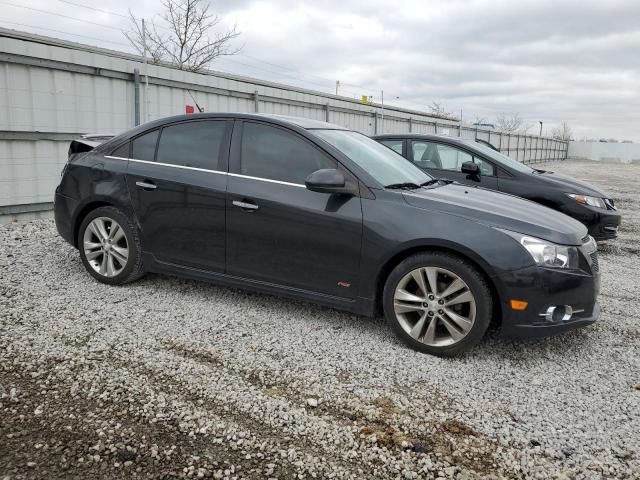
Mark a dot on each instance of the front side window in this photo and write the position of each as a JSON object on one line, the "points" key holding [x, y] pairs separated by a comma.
{"points": [[425, 155], [452, 158], [446, 157], [144, 146], [487, 169], [275, 154], [192, 144], [395, 145]]}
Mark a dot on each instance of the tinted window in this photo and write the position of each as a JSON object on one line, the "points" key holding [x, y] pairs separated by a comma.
{"points": [[122, 151], [192, 144], [486, 168], [395, 145], [437, 155], [273, 153], [144, 147]]}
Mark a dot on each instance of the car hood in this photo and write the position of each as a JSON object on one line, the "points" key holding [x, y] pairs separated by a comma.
{"points": [[569, 184], [500, 210]]}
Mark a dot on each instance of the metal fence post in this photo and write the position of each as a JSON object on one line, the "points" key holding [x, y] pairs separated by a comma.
{"points": [[375, 123], [136, 97], [410, 125], [326, 112], [256, 101]]}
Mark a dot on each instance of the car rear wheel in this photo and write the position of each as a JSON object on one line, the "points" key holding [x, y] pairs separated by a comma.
{"points": [[437, 303], [109, 246]]}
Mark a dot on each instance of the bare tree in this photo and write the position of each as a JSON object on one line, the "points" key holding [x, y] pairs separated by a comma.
{"points": [[437, 110], [562, 132], [508, 123], [524, 129], [187, 44], [479, 120]]}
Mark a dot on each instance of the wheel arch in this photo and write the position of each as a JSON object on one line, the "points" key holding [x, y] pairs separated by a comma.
{"points": [[452, 249], [89, 206]]}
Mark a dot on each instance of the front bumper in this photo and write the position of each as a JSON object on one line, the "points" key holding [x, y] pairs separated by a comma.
{"points": [[602, 223], [543, 288]]}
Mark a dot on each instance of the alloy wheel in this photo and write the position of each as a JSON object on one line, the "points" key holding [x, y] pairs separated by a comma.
{"points": [[105, 246], [434, 306]]}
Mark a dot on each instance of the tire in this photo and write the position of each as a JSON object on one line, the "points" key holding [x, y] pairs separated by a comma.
{"points": [[112, 267], [461, 304]]}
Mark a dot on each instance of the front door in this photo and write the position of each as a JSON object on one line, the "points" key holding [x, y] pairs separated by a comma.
{"points": [[178, 192], [445, 161], [278, 231]]}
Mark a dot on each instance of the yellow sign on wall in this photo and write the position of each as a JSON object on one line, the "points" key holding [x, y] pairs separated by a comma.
{"points": [[365, 99]]}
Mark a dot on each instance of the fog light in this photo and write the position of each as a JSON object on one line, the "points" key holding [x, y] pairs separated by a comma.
{"points": [[559, 313]]}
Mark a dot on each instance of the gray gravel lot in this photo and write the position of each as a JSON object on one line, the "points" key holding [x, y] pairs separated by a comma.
{"points": [[170, 378]]}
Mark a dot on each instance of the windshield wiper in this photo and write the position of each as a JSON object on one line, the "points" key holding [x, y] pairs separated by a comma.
{"points": [[406, 185], [430, 182]]}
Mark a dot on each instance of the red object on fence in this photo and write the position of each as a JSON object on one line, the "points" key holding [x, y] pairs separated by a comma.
{"points": [[189, 109]]}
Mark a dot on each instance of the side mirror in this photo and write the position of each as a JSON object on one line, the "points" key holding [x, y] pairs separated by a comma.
{"points": [[470, 168], [327, 180]]}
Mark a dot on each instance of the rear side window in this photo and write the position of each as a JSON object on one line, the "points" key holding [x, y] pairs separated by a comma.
{"points": [[192, 144], [395, 145], [122, 151], [144, 147], [275, 154]]}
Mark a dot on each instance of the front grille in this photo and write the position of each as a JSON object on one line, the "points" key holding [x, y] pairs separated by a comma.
{"points": [[595, 266]]}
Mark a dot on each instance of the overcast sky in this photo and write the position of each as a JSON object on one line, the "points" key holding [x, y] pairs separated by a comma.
{"points": [[549, 61]]}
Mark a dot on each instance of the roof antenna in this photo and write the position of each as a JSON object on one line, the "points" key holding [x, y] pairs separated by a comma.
{"points": [[200, 109]]}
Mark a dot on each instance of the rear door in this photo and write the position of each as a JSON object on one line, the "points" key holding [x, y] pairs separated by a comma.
{"points": [[177, 180], [445, 161], [278, 231]]}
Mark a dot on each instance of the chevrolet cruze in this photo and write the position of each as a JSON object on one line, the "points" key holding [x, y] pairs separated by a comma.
{"points": [[318, 212]]}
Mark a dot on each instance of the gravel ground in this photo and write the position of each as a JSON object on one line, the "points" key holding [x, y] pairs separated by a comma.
{"points": [[171, 378]]}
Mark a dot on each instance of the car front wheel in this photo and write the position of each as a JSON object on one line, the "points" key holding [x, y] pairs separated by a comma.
{"points": [[110, 246], [437, 303]]}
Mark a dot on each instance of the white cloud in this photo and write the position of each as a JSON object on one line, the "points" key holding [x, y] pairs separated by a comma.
{"points": [[547, 60]]}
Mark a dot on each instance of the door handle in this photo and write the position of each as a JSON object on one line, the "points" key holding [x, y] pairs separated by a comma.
{"points": [[147, 185], [245, 205]]}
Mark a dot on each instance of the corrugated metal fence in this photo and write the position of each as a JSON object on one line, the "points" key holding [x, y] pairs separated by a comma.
{"points": [[52, 91]]}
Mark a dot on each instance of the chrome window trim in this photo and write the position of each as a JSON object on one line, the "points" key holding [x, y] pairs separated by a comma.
{"points": [[210, 171], [267, 180], [168, 165]]}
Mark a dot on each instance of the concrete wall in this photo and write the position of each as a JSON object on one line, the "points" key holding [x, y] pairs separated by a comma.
{"points": [[606, 152]]}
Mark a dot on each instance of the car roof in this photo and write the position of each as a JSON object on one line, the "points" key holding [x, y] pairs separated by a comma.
{"points": [[422, 136], [305, 123]]}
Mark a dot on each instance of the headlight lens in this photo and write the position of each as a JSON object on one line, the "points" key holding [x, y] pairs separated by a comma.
{"points": [[547, 254], [587, 200]]}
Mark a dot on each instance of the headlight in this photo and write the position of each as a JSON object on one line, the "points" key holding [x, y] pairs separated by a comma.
{"points": [[547, 254], [587, 200]]}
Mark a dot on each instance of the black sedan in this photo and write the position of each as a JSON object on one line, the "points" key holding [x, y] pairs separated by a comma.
{"points": [[317, 212], [474, 163]]}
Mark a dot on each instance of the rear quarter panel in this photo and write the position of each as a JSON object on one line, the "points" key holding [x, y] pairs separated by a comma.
{"points": [[92, 180]]}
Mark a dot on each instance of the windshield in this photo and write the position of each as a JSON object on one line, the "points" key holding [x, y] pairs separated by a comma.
{"points": [[382, 163], [499, 157]]}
